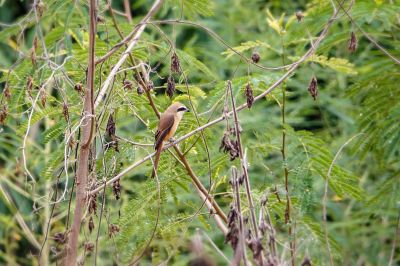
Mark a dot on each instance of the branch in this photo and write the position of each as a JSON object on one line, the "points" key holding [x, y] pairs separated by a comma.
{"points": [[137, 33], [83, 161]]}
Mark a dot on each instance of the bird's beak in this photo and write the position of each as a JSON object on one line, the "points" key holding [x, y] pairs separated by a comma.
{"points": [[187, 109]]}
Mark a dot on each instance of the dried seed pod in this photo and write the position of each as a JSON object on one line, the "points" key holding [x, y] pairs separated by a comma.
{"points": [[110, 129], [170, 86], [3, 114], [7, 92], [89, 246], [256, 247], [140, 90], [91, 224], [29, 85], [353, 42], [150, 85], [33, 57], [66, 112], [40, 8], [249, 95], [232, 236], [313, 87], [117, 189], [35, 43], [228, 145], [78, 87], [306, 262], [299, 16], [128, 85], [255, 57], [100, 19], [60, 238], [92, 204], [43, 97], [112, 230], [175, 64]]}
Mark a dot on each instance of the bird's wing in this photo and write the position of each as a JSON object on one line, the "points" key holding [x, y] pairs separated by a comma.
{"points": [[164, 127]]}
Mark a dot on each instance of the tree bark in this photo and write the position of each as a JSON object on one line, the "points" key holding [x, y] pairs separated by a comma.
{"points": [[83, 158]]}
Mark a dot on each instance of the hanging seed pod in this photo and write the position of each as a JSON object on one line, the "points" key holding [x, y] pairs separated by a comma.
{"points": [[33, 57], [170, 86], [110, 129], [256, 247], [60, 238], [232, 236], [229, 145], [140, 90], [43, 97], [92, 204], [40, 8], [175, 64], [113, 229], [313, 87], [255, 57], [117, 189], [89, 246], [249, 95], [353, 42], [3, 114], [6, 92], [29, 85], [128, 85], [91, 224], [78, 87], [299, 16], [66, 112], [306, 262], [150, 85]]}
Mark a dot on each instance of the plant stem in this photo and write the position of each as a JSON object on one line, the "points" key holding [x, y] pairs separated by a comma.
{"points": [[244, 169], [83, 160]]}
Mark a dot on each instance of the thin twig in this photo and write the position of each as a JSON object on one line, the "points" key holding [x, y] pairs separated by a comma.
{"points": [[325, 200], [245, 171]]}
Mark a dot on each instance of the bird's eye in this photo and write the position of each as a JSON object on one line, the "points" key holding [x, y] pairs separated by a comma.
{"points": [[180, 109]]}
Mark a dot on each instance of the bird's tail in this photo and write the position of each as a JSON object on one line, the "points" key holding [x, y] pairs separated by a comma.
{"points": [[156, 159]]}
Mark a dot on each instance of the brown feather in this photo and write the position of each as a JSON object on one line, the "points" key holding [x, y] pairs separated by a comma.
{"points": [[166, 123]]}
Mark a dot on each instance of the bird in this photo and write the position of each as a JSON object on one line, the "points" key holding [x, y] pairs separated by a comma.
{"points": [[167, 126]]}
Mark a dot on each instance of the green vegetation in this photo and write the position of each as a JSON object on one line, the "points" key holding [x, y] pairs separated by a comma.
{"points": [[321, 145]]}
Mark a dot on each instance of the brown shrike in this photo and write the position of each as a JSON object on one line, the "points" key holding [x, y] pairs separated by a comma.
{"points": [[167, 126]]}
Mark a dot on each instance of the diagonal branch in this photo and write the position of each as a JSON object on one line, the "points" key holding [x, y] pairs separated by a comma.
{"points": [[137, 33]]}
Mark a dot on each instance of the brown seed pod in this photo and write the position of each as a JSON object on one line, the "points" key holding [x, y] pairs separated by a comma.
{"points": [[78, 87], [117, 189], [33, 57], [66, 112], [249, 95], [112, 230], [313, 87], [306, 262], [140, 90], [60, 238], [150, 85], [171, 86], [29, 85], [89, 246], [92, 204], [175, 64], [299, 16], [43, 97], [7, 92], [255, 57], [353, 42], [3, 114], [229, 145], [232, 236], [110, 129], [128, 85], [91, 224]]}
